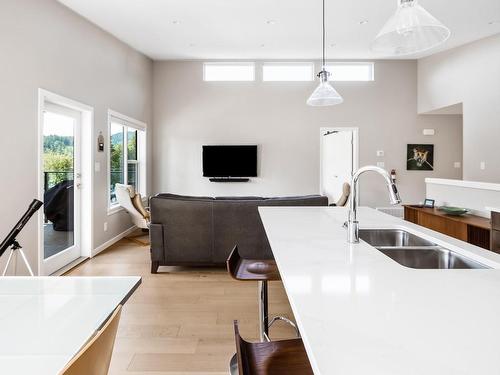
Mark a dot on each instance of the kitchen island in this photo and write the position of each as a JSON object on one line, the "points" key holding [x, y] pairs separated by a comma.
{"points": [[360, 312]]}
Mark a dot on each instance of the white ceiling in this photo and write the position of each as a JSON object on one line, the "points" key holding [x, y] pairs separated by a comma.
{"points": [[240, 29]]}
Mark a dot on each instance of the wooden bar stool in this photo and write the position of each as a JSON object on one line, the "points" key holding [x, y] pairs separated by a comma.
{"points": [[94, 358], [262, 271], [271, 358]]}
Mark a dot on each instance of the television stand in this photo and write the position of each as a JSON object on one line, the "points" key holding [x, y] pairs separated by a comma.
{"points": [[228, 179]]}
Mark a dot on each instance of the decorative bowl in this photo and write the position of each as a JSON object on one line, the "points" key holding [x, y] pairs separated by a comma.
{"points": [[454, 211]]}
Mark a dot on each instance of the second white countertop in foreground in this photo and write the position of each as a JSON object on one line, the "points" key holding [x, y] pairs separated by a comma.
{"points": [[361, 313], [45, 321]]}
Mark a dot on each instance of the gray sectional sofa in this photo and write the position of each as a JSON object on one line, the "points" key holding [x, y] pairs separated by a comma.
{"points": [[201, 231]]}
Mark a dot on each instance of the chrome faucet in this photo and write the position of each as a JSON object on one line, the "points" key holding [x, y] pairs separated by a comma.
{"points": [[352, 221]]}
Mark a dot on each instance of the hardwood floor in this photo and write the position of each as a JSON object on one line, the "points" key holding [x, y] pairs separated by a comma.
{"points": [[179, 321]]}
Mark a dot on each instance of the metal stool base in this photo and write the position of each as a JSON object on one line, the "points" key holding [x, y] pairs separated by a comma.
{"points": [[286, 320], [233, 365], [264, 323]]}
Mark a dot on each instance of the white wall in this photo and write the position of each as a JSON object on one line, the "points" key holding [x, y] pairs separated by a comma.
{"points": [[45, 45], [476, 196], [189, 113], [470, 75]]}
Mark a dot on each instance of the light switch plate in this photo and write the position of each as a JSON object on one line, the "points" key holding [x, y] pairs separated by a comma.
{"points": [[457, 164], [97, 166], [380, 153], [482, 165], [429, 132]]}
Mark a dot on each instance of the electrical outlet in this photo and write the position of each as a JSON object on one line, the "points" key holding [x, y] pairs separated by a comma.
{"points": [[380, 164], [457, 164], [105, 226], [482, 165]]}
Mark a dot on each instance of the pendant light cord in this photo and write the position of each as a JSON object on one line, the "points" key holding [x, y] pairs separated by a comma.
{"points": [[324, 35]]}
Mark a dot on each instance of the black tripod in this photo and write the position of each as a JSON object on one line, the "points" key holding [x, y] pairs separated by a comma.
{"points": [[10, 240], [14, 251]]}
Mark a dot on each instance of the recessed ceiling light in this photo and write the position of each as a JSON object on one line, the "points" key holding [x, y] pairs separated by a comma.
{"points": [[271, 22], [333, 45], [363, 22], [192, 45], [493, 22], [262, 45], [175, 22]]}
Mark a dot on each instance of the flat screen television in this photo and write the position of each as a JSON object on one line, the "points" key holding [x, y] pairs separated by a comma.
{"points": [[230, 161]]}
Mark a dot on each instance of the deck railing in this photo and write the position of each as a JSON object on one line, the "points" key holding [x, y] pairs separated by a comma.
{"points": [[52, 178]]}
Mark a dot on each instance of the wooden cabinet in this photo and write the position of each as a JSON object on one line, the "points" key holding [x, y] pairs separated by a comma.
{"points": [[495, 232], [469, 228], [495, 241], [495, 220]]}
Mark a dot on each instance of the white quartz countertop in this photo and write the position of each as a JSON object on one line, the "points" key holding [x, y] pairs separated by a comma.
{"points": [[44, 321], [360, 312]]}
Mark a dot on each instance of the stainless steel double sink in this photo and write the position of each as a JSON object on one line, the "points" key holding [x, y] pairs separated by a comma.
{"points": [[415, 252]]}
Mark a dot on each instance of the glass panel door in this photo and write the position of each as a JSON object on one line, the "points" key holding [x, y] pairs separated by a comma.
{"points": [[61, 186]]}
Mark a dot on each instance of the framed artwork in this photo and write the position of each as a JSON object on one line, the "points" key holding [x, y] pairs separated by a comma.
{"points": [[420, 157]]}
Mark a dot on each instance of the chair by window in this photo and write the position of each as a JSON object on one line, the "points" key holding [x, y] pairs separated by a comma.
{"points": [[132, 202], [346, 191]]}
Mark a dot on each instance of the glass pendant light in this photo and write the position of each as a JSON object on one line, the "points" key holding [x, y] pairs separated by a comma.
{"points": [[410, 30], [324, 94]]}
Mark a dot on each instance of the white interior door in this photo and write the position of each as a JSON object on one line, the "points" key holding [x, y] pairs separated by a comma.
{"points": [[338, 160], [61, 170]]}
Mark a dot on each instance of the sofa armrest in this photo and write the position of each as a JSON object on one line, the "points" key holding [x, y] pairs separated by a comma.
{"points": [[157, 243]]}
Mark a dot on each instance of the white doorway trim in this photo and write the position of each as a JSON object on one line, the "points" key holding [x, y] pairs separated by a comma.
{"points": [[355, 148], [87, 163]]}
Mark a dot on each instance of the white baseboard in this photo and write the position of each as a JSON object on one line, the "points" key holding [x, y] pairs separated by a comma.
{"points": [[66, 268], [112, 241]]}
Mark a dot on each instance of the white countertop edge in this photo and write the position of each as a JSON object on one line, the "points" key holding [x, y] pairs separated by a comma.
{"points": [[132, 277], [494, 209], [461, 183]]}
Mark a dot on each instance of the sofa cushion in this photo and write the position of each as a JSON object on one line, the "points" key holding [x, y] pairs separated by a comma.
{"points": [[182, 197], [238, 198], [311, 200], [237, 222], [305, 198]]}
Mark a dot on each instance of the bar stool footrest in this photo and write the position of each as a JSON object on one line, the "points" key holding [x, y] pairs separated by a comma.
{"points": [[283, 319]]}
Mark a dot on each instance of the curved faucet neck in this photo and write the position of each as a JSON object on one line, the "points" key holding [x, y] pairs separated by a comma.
{"points": [[353, 197], [352, 222]]}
